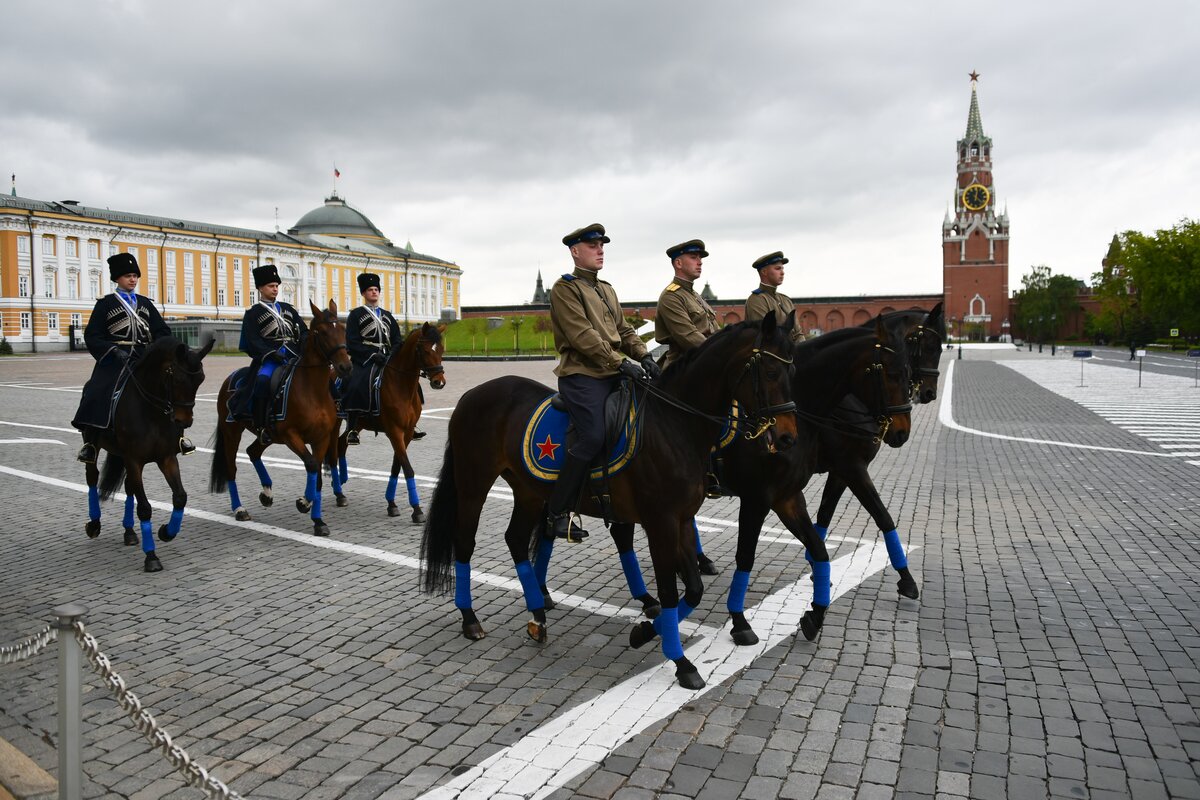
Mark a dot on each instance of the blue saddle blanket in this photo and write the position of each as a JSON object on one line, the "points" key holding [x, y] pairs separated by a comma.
{"points": [[544, 447], [280, 394]]}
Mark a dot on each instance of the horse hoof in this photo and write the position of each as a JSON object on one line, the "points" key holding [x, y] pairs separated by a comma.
{"points": [[342, 502], [303, 505], [92, 529], [266, 499], [690, 679], [746, 637], [131, 538], [393, 510], [152, 563], [241, 515], [641, 634], [473, 631], [320, 529], [165, 535], [536, 631], [907, 586], [707, 567], [418, 516], [808, 627]]}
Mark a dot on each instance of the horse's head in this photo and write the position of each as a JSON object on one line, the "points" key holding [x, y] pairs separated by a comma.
{"points": [[925, 349], [763, 387], [884, 384], [430, 349], [328, 335], [169, 376]]}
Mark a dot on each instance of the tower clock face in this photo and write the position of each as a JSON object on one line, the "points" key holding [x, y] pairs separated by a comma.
{"points": [[976, 196]]}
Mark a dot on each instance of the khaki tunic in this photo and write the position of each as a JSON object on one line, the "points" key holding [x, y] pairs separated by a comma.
{"points": [[764, 299], [590, 332], [683, 319]]}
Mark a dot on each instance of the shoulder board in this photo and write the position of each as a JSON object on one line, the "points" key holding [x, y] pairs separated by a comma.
{"points": [[757, 291], [672, 287], [568, 277]]}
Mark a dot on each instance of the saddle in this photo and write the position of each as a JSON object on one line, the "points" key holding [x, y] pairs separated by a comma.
{"points": [[549, 433], [358, 394], [277, 390]]}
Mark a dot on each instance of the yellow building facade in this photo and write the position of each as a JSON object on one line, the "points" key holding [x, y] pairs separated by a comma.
{"points": [[53, 267]]}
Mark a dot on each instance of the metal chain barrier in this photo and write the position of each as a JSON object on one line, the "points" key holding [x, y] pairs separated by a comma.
{"points": [[28, 648], [194, 774]]}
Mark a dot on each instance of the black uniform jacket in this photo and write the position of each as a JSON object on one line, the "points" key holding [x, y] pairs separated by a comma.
{"points": [[370, 340], [264, 332]]}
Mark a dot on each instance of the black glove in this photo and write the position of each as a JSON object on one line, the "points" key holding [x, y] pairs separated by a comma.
{"points": [[631, 370], [652, 369]]}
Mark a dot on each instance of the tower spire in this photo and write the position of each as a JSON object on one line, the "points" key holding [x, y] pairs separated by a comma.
{"points": [[974, 123]]}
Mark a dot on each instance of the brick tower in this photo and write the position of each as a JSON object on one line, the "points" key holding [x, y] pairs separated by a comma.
{"points": [[975, 239]]}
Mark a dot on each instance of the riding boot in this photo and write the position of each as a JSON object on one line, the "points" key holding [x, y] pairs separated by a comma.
{"points": [[87, 453], [418, 434], [351, 433], [712, 488], [186, 448], [566, 493]]}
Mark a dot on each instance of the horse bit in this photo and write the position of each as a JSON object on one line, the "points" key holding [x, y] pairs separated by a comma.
{"points": [[762, 420]]}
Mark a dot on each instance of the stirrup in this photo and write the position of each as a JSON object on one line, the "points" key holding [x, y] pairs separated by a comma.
{"points": [[563, 526], [712, 488], [87, 454], [186, 448], [264, 435], [418, 434], [352, 437]]}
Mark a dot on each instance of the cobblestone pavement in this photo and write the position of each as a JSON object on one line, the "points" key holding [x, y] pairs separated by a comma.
{"points": [[1053, 652]]}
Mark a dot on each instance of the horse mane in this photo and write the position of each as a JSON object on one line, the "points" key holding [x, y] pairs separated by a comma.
{"points": [[158, 351], [682, 363]]}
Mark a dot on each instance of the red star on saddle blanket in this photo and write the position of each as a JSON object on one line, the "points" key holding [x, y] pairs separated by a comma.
{"points": [[547, 448]]}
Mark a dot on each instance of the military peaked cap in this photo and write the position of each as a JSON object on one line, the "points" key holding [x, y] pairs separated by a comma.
{"points": [[591, 233], [122, 264], [683, 248], [367, 280], [770, 259], [265, 274]]}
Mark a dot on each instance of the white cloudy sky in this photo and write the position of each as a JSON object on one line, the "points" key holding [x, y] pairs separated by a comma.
{"points": [[483, 131]]}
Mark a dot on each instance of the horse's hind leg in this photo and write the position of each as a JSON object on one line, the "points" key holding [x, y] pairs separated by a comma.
{"points": [[400, 462], [794, 515], [671, 546], [255, 451], [750, 521], [864, 489], [131, 537], [622, 535], [831, 495], [92, 529], [170, 470], [527, 508], [135, 488]]}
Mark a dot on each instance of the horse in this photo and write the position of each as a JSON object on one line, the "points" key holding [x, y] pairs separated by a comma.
{"points": [[846, 456], [871, 365], [661, 486], [399, 411], [310, 421], [157, 401]]}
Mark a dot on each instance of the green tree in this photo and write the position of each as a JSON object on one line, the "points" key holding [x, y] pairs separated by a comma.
{"points": [[1164, 274], [1043, 303]]}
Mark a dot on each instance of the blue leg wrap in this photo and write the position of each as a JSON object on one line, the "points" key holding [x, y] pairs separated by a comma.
{"points": [[343, 470], [821, 587], [533, 592], [895, 549], [316, 497], [235, 499], [93, 503], [390, 494], [335, 481], [263, 476], [129, 503], [699, 547], [737, 592], [542, 565], [175, 521], [684, 609], [310, 486], [147, 538], [822, 532], [666, 625], [414, 499], [633, 574], [462, 585]]}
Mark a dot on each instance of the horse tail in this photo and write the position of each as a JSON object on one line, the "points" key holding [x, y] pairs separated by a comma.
{"points": [[437, 544], [218, 476], [112, 476]]}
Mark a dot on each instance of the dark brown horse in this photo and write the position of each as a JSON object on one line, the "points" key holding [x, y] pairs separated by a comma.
{"points": [[661, 487], [157, 402], [309, 429], [846, 456], [399, 411]]}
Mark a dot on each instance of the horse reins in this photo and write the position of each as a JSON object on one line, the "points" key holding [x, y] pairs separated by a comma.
{"points": [[917, 368], [883, 419], [168, 403]]}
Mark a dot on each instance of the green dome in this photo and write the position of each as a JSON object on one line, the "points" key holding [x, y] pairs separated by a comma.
{"points": [[335, 218]]}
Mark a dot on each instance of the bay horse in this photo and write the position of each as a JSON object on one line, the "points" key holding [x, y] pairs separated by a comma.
{"points": [[158, 400], [309, 428], [399, 411], [846, 456], [869, 365], [661, 487]]}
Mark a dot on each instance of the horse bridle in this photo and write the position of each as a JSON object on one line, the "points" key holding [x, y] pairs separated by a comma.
{"points": [[166, 404], [328, 354], [920, 372], [884, 418]]}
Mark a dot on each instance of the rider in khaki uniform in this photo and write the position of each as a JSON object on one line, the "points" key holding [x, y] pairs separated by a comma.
{"points": [[590, 334], [683, 319], [765, 298]]}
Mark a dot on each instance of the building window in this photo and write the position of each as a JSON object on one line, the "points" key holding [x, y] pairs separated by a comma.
{"points": [[237, 268], [133, 251], [205, 263], [94, 251], [187, 261], [47, 245], [51, 284], [220, 263], [171, 259], [188, 296], [72, 248], [152, 291], [23, 244], [112, 250], [170, 296], [152, 258], [77, 320], [25, 319], [52, 321], [204, 296], [94, 285], [72, 286], [237, 297], [23, 286], [220, 297]]}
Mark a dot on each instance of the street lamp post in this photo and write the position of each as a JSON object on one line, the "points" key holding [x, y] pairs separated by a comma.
{"points": [[1004, 337], [1041, 333], [1053, 332]]}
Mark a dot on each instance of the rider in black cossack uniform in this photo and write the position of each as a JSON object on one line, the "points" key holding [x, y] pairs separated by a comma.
{"points": [[272, 335], [371, 333], [121, 325]]}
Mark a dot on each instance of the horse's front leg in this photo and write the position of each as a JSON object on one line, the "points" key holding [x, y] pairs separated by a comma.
{"points": [[793, 513], [127, 521], [400, 462], [527, 509], [311, 501], [169, 467], [859, 481], [92, 475], [750, 521], [670, 541], [254, 452], [337, 472], [622, 536], [135, 488]]}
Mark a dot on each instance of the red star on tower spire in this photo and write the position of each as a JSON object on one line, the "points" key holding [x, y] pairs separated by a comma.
{"points": [[974, 76]]}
